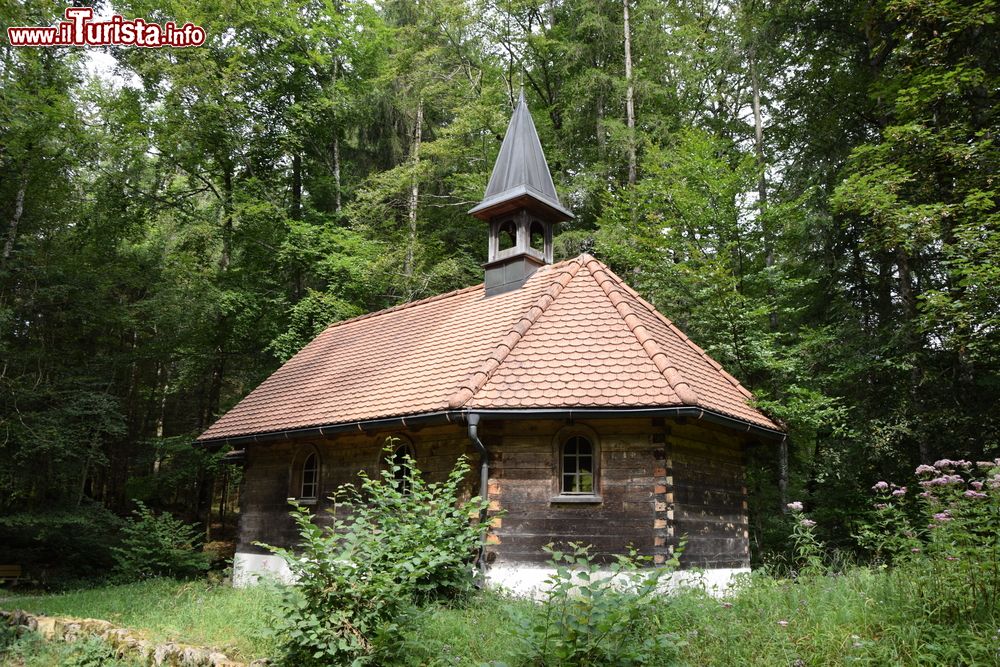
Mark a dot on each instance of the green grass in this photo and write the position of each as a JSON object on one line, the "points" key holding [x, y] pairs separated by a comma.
{"points": [[863, 617], [232, 620], [31, 651]]}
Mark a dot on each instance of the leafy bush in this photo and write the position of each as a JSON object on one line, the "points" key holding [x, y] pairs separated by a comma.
{"points": [[158, 545], [388, 547], [600, 615]]}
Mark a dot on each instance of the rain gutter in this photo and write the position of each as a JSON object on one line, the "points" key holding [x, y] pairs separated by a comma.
{"points": [[463, 416]]}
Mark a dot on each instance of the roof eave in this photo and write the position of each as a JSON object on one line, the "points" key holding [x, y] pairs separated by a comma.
{"points": [[459, 416], [517, 197]]}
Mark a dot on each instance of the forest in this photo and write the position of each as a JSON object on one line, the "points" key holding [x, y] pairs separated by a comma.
{"points": [[810, 190]]}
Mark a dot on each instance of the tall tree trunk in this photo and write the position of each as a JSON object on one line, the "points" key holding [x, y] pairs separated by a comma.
{"points": [[783, 474], [296, 186], [629, 93], [336, 172], [766, 228], [414, 190], [8, 246], [83, 478], [336, 141], [224, 497], [599, 128], [909, 298], [227, 219], [211, 407], [162, 379], [768, 233]]}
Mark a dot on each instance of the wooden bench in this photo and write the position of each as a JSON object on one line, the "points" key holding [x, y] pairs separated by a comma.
{"points": [[10, 573]]}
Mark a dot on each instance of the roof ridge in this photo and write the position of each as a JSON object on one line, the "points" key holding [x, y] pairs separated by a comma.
{"points": [[670, 372], [690, 343], [478, 379], [429, 299]]}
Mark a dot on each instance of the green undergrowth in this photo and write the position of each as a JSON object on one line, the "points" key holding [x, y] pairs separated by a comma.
{"points": [[863, 616], [193, 612], [30, 650]]}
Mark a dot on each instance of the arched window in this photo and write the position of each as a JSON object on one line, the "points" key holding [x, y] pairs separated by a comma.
{"points": [[398, 462], [579, 471], [310, 477], [537, 241], [507, 236]]}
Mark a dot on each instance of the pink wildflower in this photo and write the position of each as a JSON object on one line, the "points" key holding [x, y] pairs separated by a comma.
{"points": [[901, 491], [795, 506], [881, 486], [915, 550], [977, 485], [942, 517], [926, 470], [974, 494], [943, 480], [783, 623], [807, 523]]}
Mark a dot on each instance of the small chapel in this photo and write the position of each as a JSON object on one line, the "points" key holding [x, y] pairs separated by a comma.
{"points": [[588, 415]]}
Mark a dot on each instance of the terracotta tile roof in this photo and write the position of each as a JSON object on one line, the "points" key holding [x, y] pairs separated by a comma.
{"points": [[573, 336]]}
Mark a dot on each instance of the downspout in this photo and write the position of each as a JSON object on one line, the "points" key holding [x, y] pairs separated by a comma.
{"points": [[484, 485]]}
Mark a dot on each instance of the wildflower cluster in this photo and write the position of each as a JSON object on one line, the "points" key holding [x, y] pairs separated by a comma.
{"points": [[888, 533], [808, 549], [949, 529]]}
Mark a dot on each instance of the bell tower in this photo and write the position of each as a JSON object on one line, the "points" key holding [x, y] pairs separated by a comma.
{"points": [[520, 205]]}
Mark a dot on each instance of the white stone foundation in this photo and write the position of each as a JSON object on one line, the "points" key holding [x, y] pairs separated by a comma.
{"points": [[529, 580], [249, 568], [521, 580]]}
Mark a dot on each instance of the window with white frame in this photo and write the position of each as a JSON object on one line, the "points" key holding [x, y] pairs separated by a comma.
{"points": [[309, 488], [578, 470]]}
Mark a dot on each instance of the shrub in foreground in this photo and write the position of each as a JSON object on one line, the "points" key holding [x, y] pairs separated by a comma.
{"points": [[158, 545], [386, 547], [600, 615]]}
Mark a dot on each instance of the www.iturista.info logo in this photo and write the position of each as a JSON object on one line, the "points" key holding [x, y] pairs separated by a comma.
{"points": [[79, 29]]}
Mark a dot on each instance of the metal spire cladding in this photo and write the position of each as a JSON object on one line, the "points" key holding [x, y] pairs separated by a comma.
{"points": [[521, 177]]}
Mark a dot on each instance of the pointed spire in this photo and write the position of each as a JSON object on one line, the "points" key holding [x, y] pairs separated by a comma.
{"points": [[521, 177]]}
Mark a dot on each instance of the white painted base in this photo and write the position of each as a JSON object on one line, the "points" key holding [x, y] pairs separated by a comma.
{"points": [[520, 580], [530, 580], [249, 568]]}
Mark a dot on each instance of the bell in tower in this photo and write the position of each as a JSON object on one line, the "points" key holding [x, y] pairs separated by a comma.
{"points": [[521, 206]]}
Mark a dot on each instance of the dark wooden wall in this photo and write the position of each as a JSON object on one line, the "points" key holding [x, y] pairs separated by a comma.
{"points": [[658, 481], [523, 482], [268, 480], [707, 496]]}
